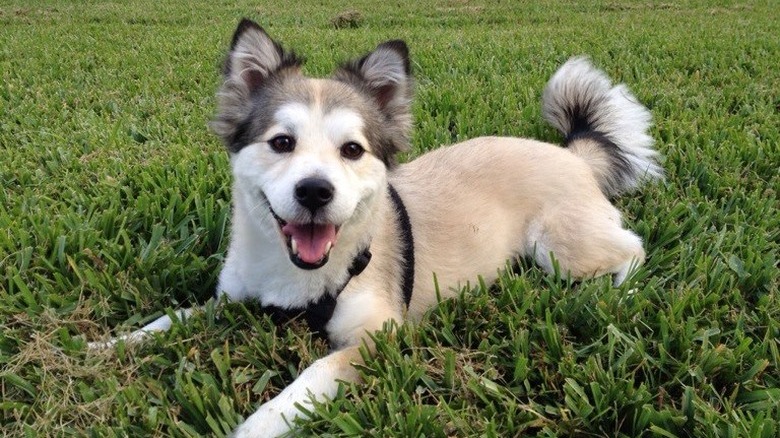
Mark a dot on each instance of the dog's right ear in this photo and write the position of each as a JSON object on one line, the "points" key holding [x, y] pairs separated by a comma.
{"points": [[254, 56], [253, 59]]}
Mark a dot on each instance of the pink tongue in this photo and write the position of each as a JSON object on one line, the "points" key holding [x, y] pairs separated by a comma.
{"points": [[311, 239]]}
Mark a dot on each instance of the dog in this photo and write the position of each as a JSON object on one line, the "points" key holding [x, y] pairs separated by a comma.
{"points": [[327, 225]]}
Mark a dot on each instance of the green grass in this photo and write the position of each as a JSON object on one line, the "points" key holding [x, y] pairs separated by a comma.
{"points": [[115, 205]]}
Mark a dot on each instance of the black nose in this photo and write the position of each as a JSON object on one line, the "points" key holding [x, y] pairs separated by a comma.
{"points": [[313, 193]]}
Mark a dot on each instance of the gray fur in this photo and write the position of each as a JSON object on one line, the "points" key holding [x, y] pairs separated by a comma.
{"points": [[259, 76], [255, 66], [581, 102], [384, 77]]}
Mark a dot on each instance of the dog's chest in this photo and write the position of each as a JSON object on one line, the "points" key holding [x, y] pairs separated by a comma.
{"points": [[316, 312]]}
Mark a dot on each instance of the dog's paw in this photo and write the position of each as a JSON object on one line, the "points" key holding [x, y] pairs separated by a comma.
{"points": [[129, 339], [101, 345], [318, 382], [267, 422]]}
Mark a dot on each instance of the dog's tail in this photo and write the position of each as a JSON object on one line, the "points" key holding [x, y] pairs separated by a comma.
{"points": [[604, 125]]}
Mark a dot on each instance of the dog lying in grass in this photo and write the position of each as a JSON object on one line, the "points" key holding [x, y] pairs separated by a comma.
{"points": [[328, 226]]}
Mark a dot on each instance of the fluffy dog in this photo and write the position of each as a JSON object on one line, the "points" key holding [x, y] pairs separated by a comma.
{"points": [[327, 225]]}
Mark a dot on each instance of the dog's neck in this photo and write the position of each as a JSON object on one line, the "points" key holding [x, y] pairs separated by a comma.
{"points": [[259, 267]]}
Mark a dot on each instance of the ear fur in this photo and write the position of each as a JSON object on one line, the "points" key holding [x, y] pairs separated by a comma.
{"points": [[254, 58], [384, 75]]}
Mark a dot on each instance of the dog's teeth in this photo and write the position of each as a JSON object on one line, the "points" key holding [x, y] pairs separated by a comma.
{"points": [[328, 246], [294, 245]]}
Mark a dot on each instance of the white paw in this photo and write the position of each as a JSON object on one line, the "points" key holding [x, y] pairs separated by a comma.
{"points": [[320, 381], [267, 422]]}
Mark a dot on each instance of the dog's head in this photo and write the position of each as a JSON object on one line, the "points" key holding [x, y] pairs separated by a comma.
{"points": [[309, 156]]}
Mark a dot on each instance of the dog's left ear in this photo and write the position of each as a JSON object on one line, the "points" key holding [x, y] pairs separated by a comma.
{"points": [[384, 75]]}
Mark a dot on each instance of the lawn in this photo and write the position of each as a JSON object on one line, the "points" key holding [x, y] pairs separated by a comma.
{"points": [[114, 209]]}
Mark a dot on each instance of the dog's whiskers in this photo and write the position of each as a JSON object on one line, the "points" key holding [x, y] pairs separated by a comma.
{"points": [[257, 206]]}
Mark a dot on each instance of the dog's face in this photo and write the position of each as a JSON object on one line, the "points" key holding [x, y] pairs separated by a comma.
{"points": [[309, 156]]}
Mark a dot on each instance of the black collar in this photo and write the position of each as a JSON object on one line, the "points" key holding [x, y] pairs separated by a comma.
{"points": [[407, 239], [318, 313]]}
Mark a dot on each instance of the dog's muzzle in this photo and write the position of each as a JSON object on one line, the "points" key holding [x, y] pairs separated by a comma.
{"points": [[309, 244]]}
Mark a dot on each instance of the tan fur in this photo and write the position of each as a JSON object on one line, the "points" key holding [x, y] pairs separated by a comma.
{"points": [[467, 227], [593, 153], [509, 195], [471, 210]]}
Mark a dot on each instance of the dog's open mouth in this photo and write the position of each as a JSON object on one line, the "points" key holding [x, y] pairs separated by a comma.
{"points": [[309, 244]]}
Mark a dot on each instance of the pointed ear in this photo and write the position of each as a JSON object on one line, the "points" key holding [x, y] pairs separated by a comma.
{"points": [[254, 56], [384, 74]]}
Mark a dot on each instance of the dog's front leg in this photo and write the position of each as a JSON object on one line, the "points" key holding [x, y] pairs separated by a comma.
{"points": [[320, 381], [160, 324]]}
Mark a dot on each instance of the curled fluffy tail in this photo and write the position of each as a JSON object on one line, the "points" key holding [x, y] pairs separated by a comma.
{"points": [[604, 125]]}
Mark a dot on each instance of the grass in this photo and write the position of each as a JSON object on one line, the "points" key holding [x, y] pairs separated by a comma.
{"points": [[115, 209]]}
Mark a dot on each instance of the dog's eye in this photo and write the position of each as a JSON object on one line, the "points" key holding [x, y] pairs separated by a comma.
{"points": [[282, 144], [352, 150]]}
